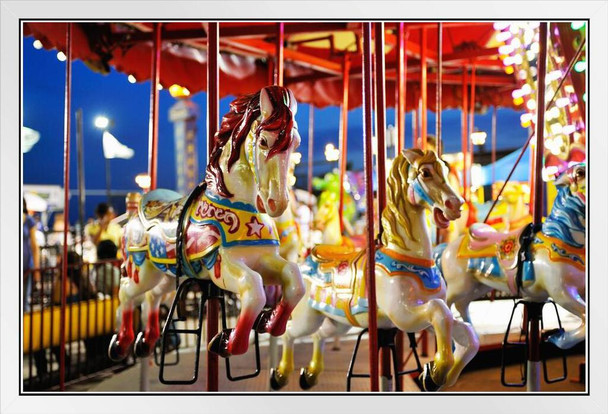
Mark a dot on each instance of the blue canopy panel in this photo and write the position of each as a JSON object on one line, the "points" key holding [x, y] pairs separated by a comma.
{"points": [[503, 168]]}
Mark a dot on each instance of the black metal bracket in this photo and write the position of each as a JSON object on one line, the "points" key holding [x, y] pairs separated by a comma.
{"points": [[535, 311], [386, 339]]}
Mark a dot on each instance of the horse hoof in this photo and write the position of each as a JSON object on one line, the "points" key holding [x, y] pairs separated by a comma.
{"points": [[307, 380], [142, 348], [115, 351], [426, 381], [558, 338], [261, 323], [219, 344], [277, 381]]}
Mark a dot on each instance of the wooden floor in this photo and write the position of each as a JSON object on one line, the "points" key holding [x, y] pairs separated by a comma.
{"points": [[333, 378]]}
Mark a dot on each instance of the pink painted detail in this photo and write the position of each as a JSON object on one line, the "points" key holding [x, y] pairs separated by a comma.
{"points": [[217, 267], [238, 343], [201, 238], [152, 328], [136, 274], [342, 267]]}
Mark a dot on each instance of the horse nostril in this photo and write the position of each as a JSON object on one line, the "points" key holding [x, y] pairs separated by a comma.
{"points": [[449, 203], [272, 204]]}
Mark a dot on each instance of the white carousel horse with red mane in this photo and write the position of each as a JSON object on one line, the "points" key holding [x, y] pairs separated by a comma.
{"points": [[483, 260], [228, 234], [410, 292]]}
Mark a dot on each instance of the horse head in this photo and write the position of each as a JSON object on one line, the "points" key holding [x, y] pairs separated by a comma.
{"points": [[575, 178], [275, 138], [429, 187]]}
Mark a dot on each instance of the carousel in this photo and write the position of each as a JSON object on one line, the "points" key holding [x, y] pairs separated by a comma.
{"points": [[374, 279]]}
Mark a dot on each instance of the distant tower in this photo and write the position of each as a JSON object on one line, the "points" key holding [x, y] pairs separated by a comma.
{"points": [[184, 115]]}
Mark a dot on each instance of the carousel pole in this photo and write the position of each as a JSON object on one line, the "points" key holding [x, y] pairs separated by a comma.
{"points": [[471, 151], [423, 88], [369, 196], [153, 127], [385, 356], [402, 35], [66, 200], [494, 118], [213, 101], [464, 137], [311, 136], [400, 113], [534, 363], [438, 97], [273, 345], [343, 136]]}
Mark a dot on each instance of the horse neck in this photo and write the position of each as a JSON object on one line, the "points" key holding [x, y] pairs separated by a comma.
{"points": [[566, 220], [239, 179], [418, 242]]}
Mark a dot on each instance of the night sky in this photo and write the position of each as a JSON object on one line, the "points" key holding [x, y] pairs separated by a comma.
{"points": [[128, 106]]}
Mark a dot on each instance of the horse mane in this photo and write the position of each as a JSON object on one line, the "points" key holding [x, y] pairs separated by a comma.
{"points": [[567, 216], [236, 125], [394, 215]]}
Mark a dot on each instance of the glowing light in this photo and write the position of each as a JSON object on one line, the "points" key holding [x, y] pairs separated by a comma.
{"points": [[516, 43], [505, 49], [159, 87], [101, 122], [517, 93], [530, 55], [509, 70], [296, 158], [177, 91], [533, 25], [131, 79], [498, 26], [531, 104], [503, 36], [580, 66], [555, 128], [517, 59], [61, 56], [523, 75], [526, 89], [526, 117], [552, 113], [478, 137], [562, 102], [37, 44], [144, 181], [568, 129], [332, 153], [528, 36], [569, 88], [550, 172], [553, 75], [514, 28], [585, 97], [535, 47], [577, 25], [508, 61], [518, 101]]}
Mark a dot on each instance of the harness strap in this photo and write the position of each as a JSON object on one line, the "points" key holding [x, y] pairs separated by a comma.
{"points": [[179, 238], [524, 256]]}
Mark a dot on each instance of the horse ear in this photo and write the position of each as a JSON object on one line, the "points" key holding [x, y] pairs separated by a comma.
{"points": [[293, 103], [266, 107], [412, 154]]}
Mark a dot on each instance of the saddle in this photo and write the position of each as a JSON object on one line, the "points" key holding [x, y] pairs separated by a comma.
{"points": [[512, 250], [161, 208], [339, 261]]}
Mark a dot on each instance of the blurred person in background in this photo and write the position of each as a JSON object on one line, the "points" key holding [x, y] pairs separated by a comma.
{"points": [[31, 257], [103, 228]]}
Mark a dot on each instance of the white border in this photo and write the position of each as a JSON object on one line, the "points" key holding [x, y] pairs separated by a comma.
{"points": [[11, 11]]}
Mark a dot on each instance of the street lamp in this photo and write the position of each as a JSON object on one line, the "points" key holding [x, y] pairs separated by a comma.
{"points": [[102, 122]]}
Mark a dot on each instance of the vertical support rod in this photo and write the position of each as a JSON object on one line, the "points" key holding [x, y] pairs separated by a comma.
{"points": [[380, 117], [401, 84], [153, 126], [415, 128], [369, 196], [311, 138], [213, 100], [81, 193], [280, 49], [464, 137], [108, 180], [66, 199], [494, 119], [439, 91], [472, 118], [540, 126], [343, 137], [423, 88]]}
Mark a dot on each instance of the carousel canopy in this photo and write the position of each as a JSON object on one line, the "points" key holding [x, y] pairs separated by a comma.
{"points": [[314, 56]]}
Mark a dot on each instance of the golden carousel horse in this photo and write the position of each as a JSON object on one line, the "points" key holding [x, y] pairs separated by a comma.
{"points": [[228, 235], [410, 291]]}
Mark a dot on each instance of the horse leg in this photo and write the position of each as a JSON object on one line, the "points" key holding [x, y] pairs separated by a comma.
{"points": [[569, 299], [309, 375], [467, 345], [128, 293], [288, 274], [304, 321], [237, 277], [145, 342]]}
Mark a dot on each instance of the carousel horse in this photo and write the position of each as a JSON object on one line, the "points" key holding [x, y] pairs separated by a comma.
{"points": [[553, 264], [511, 212], [410, 292], [228, 235], [327, 217]]}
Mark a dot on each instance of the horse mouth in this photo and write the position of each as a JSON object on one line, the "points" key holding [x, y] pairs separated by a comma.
{"points": [[440, 219], [260, 205]]}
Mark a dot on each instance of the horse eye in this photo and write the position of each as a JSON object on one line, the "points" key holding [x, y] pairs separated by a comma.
{"points": [[425, 173], [580, 174], [264, 143]]}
